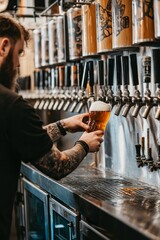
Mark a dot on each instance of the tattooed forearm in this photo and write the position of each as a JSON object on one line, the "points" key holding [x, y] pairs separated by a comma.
{"points": [[53, 131], [58, 164]]}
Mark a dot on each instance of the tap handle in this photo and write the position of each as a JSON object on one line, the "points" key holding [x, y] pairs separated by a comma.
{"points": [[61, 76], [119, 70], [85, 75], [159, 151], [74, 75], [101, 72], [91, 74], [138, 150], [41, 80], [45, 78], [156, 65], [146, 66], [67, 76], [37, 78], [125, 62], [56, 77], [134, 69], [79, 73], [110, 67]]}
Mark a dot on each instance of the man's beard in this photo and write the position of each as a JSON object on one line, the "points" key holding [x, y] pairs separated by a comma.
{"points": [[7, 73]]}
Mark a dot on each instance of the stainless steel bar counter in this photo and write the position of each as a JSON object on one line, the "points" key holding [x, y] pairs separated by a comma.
{"points": [[125, 208]]}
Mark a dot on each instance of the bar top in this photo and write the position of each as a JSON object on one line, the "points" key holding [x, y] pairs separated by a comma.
{"points": [[126, 208]]}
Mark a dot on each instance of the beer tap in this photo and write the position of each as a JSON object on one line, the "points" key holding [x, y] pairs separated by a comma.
{"points": [[143, 157], [136, 99], [44, 94], [43, 87], [126, 98], [67, 80], [149, 159], [157, 163], [109, 83], [101, 93], [62, 90], [156, 67], [147, 99], [91, 97], [82, 93], [57, 90], [62, 96], [157, 99], [76, 88], [54, 76], [138, 152], [118, 97], [38, 84], [48, 95], [37, 87]]}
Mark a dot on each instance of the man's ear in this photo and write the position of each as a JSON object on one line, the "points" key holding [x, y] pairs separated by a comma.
{"points": [[5, 46]]}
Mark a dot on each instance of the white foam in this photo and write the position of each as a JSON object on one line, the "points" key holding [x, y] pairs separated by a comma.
{"points": [[100, 106]]}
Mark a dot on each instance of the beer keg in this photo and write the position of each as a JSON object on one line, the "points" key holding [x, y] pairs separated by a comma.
{"points": [[157, 18], [52, 33], [89, 38], [74, 22], [61, 39], [44, 45], [143, 22], [37, 47], [122, 23], [104, 25]]}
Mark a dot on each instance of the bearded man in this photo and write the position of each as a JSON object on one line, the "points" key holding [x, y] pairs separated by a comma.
{"points": [[22, 134]]}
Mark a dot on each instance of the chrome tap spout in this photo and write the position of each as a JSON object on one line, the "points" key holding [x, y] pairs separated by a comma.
{"points": [[127, 99], [157, 103], [118, 101], [82, 103], [137, 101], [74, 100], [110, 97], [157, 115], [149, 102], [67, 100]]}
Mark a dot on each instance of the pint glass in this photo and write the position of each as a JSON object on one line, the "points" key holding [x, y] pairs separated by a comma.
{"points": [[99, 114]]}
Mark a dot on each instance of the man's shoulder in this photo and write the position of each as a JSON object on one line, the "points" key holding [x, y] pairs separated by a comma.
{"points": [[5, 92], [7, 98]]}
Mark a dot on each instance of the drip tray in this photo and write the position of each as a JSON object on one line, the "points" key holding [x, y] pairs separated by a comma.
{"points": [[112, 189]]}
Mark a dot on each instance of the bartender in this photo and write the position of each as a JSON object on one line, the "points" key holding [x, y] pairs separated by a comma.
{"points": [[22, 134]]}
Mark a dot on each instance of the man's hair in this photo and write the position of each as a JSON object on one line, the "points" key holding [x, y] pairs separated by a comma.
{"points": [[12, 29]]}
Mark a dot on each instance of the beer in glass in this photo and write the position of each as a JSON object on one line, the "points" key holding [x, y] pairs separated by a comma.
{"points": [[99, 114]]}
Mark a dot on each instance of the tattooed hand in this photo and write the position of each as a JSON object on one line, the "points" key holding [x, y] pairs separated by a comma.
{"points": [[76, 123], [93, 139]]}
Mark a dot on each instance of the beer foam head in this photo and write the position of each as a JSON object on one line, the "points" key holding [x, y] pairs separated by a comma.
{"points": [[100, 106]]}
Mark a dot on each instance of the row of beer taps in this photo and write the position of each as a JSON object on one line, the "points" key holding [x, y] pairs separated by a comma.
{"points": [[72, 87]]}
